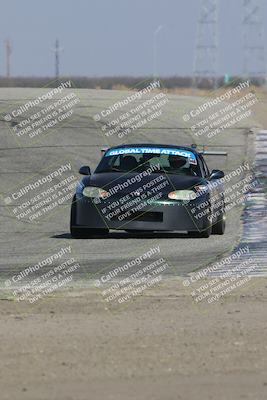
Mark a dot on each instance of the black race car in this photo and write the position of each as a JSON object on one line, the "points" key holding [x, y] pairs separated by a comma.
{"points": [[146, 188]]}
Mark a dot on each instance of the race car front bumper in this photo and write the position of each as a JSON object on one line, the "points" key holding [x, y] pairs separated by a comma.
{"points": [[161, 216]]}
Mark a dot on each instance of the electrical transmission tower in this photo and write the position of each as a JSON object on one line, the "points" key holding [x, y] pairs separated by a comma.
{"points": [[206, 51], [254, 49], [8, 54], [57, 49]]}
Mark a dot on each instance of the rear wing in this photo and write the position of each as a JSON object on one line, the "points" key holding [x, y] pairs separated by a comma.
{"points": [[208, 152], [213, 153]]}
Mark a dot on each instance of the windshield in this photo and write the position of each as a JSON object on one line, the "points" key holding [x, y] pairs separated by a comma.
{"points": [[138, 159]]}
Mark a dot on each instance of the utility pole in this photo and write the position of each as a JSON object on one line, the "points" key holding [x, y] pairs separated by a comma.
{"points": [[57, 49], [155, 52], [206, 49], [253, 40], [8, 54]]}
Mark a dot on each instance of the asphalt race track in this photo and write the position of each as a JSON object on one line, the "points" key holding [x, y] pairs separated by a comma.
{"points": [[79, 141]]}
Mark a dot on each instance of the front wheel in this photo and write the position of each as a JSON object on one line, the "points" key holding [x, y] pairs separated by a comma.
{"points": [[84, 233], [201, 234], [219, 227], [204, 233]]}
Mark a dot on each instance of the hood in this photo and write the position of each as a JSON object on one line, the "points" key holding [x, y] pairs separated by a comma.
{"points": [[110, 180]]}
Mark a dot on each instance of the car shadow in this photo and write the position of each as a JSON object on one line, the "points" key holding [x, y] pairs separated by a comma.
{"points": [[126, 235]]}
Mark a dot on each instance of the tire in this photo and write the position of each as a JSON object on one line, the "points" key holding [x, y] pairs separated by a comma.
{"points": [[219, 227], [201, 234], [82, 233], [77, 233], [204, 233]]}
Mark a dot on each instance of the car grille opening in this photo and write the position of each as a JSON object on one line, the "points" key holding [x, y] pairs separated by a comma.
{"points": [[148, 216]]}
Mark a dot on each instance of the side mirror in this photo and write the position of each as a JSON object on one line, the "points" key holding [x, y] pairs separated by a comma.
{"points": [[216, 174], [85, 170]]}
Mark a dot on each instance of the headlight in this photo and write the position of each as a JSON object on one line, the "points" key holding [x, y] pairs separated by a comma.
{"points": [[182, 195], [95, 192]]}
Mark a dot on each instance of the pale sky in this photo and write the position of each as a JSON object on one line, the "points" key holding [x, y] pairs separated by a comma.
{"points": [[114, 37]]}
